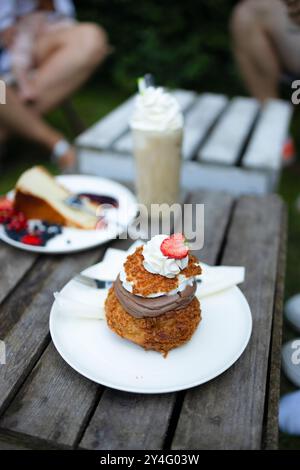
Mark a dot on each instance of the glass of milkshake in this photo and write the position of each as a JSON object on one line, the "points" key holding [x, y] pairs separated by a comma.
{"points": [[157, 131]]}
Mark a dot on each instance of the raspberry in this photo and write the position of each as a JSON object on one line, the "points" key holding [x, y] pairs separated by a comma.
{"points": [[5, 217], [17, 223]]}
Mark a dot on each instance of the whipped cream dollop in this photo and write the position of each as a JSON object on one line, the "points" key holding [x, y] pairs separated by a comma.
{"points": [[156, 110], [156, 262]]}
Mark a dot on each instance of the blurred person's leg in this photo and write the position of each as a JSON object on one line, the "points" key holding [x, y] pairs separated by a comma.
{"points": [[253, 47], [266, 43], [65, 60], [19, 119]]}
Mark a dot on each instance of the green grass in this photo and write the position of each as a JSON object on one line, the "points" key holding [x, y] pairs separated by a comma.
{"points": [[95, 101]]}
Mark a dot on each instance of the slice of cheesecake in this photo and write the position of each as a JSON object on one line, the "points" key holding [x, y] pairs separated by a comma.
{"points": [[39, 196]]}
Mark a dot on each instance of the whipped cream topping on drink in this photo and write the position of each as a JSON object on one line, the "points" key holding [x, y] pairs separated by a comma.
{"points": [[156, 110]]}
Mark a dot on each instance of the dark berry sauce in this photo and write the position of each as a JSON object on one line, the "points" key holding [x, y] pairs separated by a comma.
{"points": [[100, 199]]}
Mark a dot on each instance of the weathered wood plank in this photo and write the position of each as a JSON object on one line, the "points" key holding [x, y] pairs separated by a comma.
{"points": [[54, 403], [102, 134], [265, 148], [16, 264], [13, 307], [185, 99], [7, 445], [199, 121], [26, 329], [124, 144], [271, 431], [51, 404], [125, 421], [227, 139], [129, 421], [217, 212], [227, 413]]}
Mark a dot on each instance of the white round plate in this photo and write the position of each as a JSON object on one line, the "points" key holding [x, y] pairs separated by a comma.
{"points": [[73, 240], [94, 351]]}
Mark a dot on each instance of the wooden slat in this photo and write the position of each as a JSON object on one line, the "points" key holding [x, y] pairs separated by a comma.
{"points": [[129, 421], [13, 307], [16, 263], [8, 445], [185, 99], [265, 148], [106, 131], [227, 139], [232, 180], [195, 175], [107, 164], [25, 316], [52, 403], [124, 144], [271, 432], [199, 120], [228, 412], [125, 421], [217, 210]]}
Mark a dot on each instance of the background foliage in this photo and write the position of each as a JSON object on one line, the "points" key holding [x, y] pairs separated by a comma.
{"points": [[182, 42]]}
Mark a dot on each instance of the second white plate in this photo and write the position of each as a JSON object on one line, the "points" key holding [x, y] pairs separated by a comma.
{"points": [[73, 240]]}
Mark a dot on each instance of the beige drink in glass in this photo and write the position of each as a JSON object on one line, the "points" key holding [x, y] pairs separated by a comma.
{"points": [[157, 131]]}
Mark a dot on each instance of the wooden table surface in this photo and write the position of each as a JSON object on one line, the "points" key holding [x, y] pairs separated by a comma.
{"points": [[46, 404]]}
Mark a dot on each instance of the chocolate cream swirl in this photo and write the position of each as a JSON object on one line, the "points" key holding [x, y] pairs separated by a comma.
{"points": [[143, 307]]}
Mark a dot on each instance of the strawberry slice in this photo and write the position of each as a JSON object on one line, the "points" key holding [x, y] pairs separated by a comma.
{"points": [[175, 246]]}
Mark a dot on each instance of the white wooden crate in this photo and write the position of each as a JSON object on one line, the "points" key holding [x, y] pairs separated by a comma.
{"points": [[194, 175], [227, 140], [265, 147], [222, 134], [102, 134]]}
